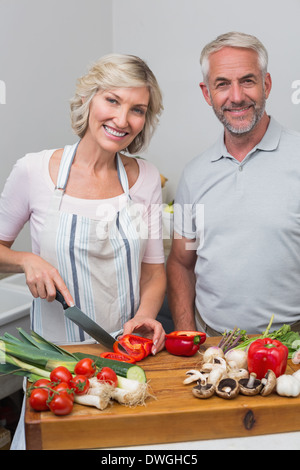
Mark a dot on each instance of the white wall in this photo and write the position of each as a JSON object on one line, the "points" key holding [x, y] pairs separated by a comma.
{"points": [[44, 47], [46, 44], [169, 35]]}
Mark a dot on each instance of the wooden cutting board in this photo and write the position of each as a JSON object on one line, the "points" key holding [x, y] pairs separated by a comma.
{"points": [[173, 414]]}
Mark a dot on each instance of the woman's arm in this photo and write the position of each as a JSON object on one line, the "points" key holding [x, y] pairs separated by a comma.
{"points": [[152, 292], [41, 277]]}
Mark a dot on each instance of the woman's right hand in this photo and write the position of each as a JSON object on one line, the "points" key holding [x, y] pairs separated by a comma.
{"points": [[43, 279]]}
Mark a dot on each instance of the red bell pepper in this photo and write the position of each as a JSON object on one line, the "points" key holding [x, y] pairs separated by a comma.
{"points": [[117, 357], [136, 347], [184, 343], [266, 353]]}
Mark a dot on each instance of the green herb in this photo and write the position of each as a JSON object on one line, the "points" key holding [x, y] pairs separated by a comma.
{"points": [[284, 334]]}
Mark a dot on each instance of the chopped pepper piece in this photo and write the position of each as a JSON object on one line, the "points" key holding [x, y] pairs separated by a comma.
{"points": [[184, 343], [136, 347], [265, 354], [118, 357]]}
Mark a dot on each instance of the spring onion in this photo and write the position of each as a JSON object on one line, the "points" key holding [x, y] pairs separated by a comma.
{"points": [[20, 365]]}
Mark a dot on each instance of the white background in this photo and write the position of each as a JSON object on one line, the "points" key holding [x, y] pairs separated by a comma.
{"points": [[45, 45]]}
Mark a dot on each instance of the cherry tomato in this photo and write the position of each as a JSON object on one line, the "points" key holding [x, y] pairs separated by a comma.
{"points": [[106, 374], [38, 399], [80, 384], [85, 367], [43, 383], [61, 404], [63, 387], [60, 374]]}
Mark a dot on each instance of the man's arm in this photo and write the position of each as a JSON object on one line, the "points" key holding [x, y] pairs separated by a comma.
{"points": [[181, 283]]}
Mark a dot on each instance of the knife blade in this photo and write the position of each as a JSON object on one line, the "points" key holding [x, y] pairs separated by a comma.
{"points": [[86, 323]]}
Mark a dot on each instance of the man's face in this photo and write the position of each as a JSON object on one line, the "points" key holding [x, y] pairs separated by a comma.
{"points": [[236, 88]]}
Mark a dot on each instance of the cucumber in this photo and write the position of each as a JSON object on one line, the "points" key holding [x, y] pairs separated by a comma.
{"points": [[123, 369]]}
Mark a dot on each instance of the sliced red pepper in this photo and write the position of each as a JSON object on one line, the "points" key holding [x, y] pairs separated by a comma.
{"points": [[266, 353], [118, 357], [184, 343], [137, 347]]}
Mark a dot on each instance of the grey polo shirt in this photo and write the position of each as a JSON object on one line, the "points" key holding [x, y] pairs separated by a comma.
{"points": [[246, 220]]}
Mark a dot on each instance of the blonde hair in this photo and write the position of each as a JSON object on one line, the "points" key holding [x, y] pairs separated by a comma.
{"points": [[234, 39], [117, 71]]}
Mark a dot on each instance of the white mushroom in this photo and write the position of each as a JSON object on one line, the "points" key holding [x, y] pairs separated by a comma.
{"points": [[218, 362], [203, 390], [251, 386], [269, 383], [227, 388], [193, 376], [217, 374], [238, 374]]}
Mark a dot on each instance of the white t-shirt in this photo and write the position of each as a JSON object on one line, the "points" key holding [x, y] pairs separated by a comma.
{"points": [[29, 188]]}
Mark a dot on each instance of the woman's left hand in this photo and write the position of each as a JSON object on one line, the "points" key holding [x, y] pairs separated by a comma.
{"points": [[148, 328]]}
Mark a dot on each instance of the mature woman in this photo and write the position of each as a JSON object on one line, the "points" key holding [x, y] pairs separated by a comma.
{"points": [[93, 212]]}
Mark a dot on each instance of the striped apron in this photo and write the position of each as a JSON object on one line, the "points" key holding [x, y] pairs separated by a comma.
{"points": [[99, 260]]}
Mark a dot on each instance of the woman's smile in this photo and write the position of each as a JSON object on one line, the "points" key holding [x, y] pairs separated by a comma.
{"points": [[114, 132], [116, 117]]}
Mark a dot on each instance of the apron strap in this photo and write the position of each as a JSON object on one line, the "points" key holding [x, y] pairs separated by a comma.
{"points": [[122, 175], [65, 166]]}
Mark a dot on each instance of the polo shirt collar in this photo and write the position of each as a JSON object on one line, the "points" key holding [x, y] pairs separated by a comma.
{"points": [[269, 141]]}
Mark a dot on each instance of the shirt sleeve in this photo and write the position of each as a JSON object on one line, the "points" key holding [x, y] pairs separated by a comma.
{"points": [[14, 202], [149, 193]]}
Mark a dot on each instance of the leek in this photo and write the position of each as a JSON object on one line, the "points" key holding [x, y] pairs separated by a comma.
{"points": [[50, 346], [23, 366], [38, 357], [32, 356]]}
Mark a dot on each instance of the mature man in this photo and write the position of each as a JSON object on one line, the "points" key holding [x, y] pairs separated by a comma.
{"points": [[235, 258]]}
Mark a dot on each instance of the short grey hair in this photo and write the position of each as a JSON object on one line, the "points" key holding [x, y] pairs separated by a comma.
{"points": [[117, 71], [234, 39]]}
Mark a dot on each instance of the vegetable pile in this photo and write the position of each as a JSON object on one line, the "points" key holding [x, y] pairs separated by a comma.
{"points": [[249, 366], [59, 378]]}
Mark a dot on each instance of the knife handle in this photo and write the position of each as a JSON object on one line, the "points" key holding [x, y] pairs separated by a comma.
{"points": [[61, 299]]}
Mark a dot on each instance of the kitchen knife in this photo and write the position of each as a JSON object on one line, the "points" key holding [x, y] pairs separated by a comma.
{"points": [[86, 323]]}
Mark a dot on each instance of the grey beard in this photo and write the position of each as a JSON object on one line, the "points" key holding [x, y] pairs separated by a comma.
{"points": [[242, 129]]}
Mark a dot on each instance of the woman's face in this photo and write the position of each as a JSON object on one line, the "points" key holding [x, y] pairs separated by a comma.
{"points": [[117, 116]]}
